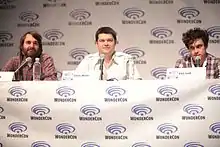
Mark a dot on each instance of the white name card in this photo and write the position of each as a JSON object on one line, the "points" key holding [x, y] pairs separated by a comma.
{"points": [[6, 76], [73, 75], [186, 73]]}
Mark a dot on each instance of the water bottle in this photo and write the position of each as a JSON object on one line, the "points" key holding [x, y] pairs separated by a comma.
{"points": [[36, 70], [130, 68]]}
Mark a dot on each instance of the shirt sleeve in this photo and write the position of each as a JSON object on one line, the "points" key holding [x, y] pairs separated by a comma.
{"points": [[10, 65], [179, 64], [218, 69], [48, 70], [137, 74], [83, 66]]}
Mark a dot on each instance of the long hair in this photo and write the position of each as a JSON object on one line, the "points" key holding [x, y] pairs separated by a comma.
{"points": [[38, 37]]}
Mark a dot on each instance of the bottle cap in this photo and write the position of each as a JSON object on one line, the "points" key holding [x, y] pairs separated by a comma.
{"points": [[37, 59]]}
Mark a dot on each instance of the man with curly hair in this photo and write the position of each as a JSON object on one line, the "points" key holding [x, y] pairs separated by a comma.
{"points": [[196, 41]]}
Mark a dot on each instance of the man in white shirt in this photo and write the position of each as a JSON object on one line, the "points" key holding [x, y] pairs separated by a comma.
{"points": [[107, 64]]}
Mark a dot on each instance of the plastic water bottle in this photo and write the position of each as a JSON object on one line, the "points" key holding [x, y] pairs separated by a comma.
{"points": [[130, 68], [36, 70]]}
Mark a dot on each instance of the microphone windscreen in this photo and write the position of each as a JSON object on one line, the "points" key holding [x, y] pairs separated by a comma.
{"points": [[102, 56], [198, 58], [28, 59]]}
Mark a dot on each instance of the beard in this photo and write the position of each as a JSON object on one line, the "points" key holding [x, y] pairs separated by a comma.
{"points": [[31, 52]]}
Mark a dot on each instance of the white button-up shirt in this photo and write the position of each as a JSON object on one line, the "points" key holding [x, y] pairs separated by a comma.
{"points": [[122, 67]]}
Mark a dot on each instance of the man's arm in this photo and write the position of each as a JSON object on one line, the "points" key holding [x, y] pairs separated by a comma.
{"points": [[179, 64], [83, 66], [218, 68], [10, 65], [48, 70], [133, 71]]}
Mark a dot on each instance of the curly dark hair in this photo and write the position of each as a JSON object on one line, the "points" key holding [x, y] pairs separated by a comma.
{"points": [[196, 33]]}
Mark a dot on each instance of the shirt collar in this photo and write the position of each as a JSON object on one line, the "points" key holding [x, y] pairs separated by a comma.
{"points": [[114, 58]]}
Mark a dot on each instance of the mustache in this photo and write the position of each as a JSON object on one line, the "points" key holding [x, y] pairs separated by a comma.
{"points": [[38, 51], [30, 48]]}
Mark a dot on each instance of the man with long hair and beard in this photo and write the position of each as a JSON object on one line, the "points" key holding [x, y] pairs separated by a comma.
{"points": [[31, 46]]}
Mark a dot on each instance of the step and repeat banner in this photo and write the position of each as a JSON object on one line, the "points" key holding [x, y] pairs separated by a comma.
{"points": [[150, 30], [149, 113]]}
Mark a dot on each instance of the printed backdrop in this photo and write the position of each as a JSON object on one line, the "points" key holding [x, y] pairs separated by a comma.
{"points": [[150, 30], [147, 113]]}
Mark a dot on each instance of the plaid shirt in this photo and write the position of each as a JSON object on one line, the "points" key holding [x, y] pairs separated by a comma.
{"points": [[212, 66], [48, 71]]}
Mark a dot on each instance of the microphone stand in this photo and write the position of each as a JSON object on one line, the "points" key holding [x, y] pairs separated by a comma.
{"points": [[101, 69], [27, 60]]}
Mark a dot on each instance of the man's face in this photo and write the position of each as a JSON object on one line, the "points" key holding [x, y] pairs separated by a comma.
{"points": [[105, 44], [30, 46], [197, 48]]}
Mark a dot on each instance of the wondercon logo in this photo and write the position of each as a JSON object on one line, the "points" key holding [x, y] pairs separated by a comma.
{"points": [[193, 109], [161, 32], [90, 144], [28, 16], [40, 110], [159, 72], [53, 34], [80, 14], [78, 53], [65, 128], [1, 109], [193, 144], [167, 128], [133, 13], [5, 36], [115, 129], [135, 52], [167, 90], [184, 52], [65, 91], [53, 0], [5, 2], [188, 12], [141, 144], [115, 91], [215, 127], [215, 89], [141, 110], [17, 127], [17, 91], [40, 144], [90, 110], [214, 32]]}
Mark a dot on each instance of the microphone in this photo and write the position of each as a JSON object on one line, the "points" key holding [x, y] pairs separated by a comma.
{"points": [[27, 60], [197, 61], [102, 56], [29, 63]]}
